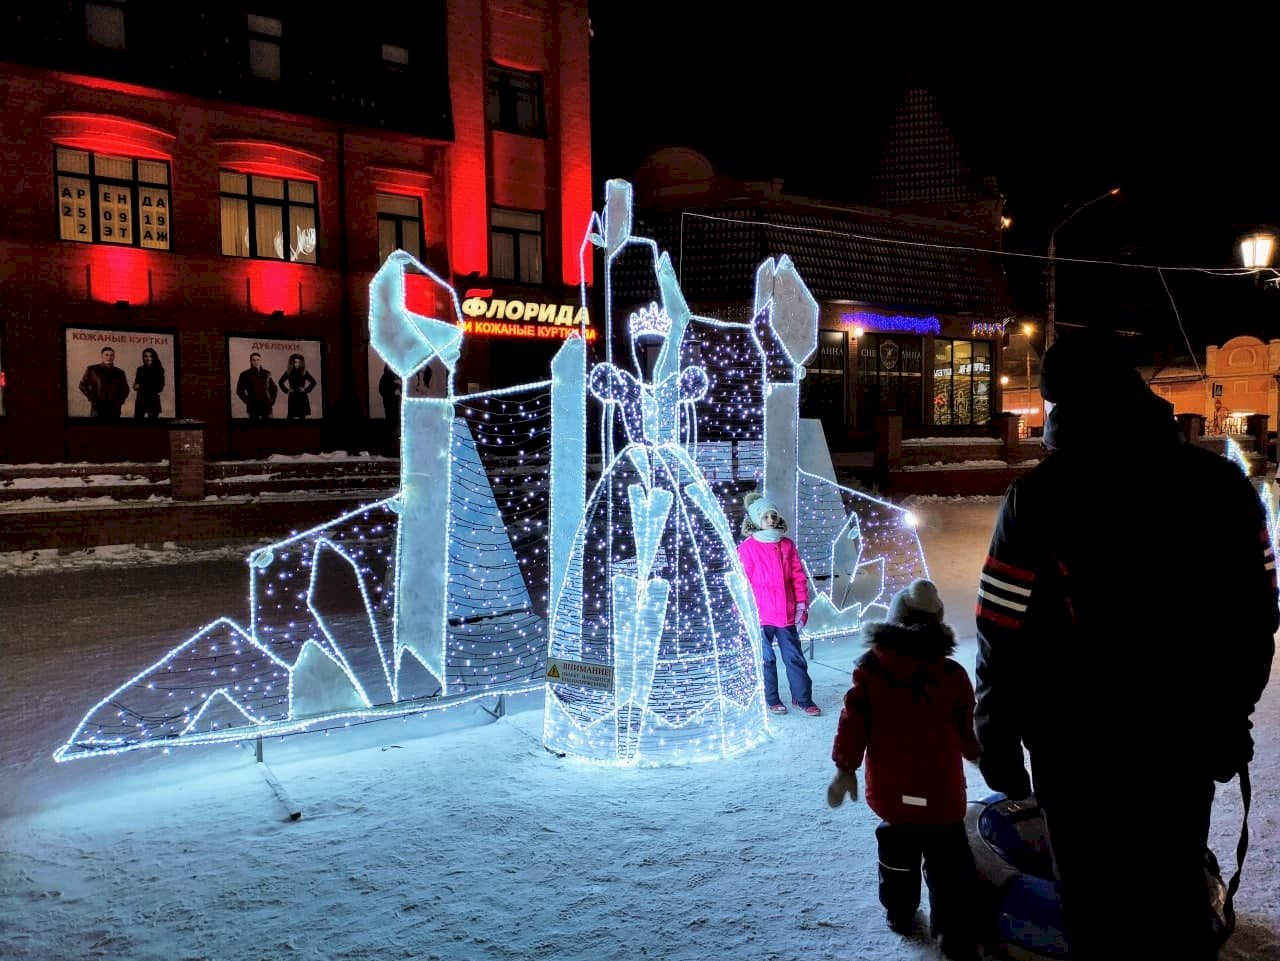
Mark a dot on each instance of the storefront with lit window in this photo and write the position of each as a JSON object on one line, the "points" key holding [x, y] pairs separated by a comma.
{"points": [[935, 372]]}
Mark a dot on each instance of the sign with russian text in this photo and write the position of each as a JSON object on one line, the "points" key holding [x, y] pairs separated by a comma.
{"points": [[580, 673], [488, 315], [115, 374], [276, 378]]}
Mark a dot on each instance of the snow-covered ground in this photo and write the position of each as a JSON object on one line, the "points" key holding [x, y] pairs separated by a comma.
{"points": [[455, 836]]}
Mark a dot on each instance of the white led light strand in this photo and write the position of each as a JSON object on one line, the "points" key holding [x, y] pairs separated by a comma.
{"points": [[858, 550]]}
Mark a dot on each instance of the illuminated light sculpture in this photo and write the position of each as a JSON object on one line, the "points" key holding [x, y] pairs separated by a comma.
{"points": [[1271, 511], [410, 342], [428, 599], [444, 593], [654, 600], [874, 551]]}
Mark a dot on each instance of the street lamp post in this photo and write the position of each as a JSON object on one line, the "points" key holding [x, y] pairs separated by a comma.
{"points": [[1050, 331], [1257, 251]]}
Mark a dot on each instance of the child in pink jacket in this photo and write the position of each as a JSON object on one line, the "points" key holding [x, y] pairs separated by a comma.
{"points": [[778, 580]]}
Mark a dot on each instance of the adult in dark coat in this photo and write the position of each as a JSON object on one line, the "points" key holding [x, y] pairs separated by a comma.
{"points": [[297, 382], [1126, 619], [148, 382], [391, 389], [105, 386], [257, 389]]}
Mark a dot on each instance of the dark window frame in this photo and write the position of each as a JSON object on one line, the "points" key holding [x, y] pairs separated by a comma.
{"points": [[392, 65], [516, 233], [822, 385], [117, 5], [873, 380], [266, 39], [283, 203], [400, 221], [96, 182], [504, 87]]}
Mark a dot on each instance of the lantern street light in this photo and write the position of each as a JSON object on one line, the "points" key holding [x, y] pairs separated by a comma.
{"points": [[1049, 328], [1258, 250]]}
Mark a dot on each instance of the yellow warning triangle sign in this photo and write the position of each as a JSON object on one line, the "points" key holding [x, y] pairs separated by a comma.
{"points": [[554, 671]]}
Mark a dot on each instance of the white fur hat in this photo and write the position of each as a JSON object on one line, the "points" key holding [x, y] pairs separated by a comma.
{"points": [[917, 603]]}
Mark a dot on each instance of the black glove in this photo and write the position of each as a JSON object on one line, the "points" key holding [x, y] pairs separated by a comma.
{"points": [[1011, 780]]}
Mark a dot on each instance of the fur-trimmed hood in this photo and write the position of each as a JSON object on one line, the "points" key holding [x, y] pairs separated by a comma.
{"points": [[924, 642]]}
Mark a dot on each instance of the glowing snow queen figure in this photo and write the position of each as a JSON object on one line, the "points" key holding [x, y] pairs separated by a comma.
{"points": [[653, 588]]}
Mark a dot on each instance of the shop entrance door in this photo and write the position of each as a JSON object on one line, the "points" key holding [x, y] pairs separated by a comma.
{"points": [[888, 380]]}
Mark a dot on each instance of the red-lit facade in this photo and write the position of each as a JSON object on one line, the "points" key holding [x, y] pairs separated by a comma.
{"points": [[95, 144]]}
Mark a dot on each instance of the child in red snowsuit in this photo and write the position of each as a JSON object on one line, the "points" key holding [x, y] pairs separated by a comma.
{"points": [[910, 713]]}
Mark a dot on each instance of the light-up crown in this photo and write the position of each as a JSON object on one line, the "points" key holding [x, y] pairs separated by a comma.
{"points": [[649, 320]]}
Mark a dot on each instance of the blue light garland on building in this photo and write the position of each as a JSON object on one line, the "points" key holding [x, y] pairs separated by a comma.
{"points": [[891, 323]]}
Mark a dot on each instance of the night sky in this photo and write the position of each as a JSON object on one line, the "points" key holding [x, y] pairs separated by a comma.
{"points": [[1178, 115]]}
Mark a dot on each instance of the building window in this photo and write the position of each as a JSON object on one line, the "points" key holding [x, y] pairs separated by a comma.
{"points": [[394, 57], [104, 24], [399, 225], [961, 382], [889, 379], [112, 200], [268, 217], [822, 391], [514, 101], [515, 245], [264, 46]]}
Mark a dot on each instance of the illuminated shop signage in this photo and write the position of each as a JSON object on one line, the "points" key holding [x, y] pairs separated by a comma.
{"points": [[964, 370], [493, 316], [987, 328], [891, 323]]}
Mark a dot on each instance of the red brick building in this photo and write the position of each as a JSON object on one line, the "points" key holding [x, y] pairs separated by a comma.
{"points": [[204, 182]]}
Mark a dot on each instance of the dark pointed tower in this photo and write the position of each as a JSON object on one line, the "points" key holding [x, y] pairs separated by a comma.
{"points": [[922, 168]]}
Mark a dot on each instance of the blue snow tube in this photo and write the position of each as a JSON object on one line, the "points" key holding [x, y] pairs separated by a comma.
{"points": [[1023, 911]]}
